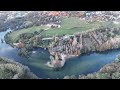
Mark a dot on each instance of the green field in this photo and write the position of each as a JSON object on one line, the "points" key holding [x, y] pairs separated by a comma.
{"points": [[68, 26], [14, 36]]}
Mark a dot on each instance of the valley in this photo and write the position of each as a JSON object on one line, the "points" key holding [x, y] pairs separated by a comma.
{"points": [[64, 44]]}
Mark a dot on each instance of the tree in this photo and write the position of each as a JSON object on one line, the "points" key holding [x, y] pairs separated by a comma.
{"points": [[103, 76], [28, 46], [36, 33], [24, 52], [118, 58], [67, 77], [73, 77], [116, 75]]}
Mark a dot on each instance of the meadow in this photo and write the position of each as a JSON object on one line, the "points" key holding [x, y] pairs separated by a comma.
{"points": [[69, 25]]}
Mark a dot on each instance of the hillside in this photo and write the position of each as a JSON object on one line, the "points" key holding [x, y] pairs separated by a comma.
{"points": [[10, 69]]}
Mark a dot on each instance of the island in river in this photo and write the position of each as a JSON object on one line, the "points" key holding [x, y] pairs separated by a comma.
{"points": [[63, 37]]}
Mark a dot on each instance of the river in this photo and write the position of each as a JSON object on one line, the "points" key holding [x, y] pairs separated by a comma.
{"points": [[84, 64]]}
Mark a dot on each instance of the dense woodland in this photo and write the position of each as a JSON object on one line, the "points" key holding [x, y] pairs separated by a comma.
{"points": [[10, 69]]}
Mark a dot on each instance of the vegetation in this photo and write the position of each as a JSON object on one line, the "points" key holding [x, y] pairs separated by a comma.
{"points": [[31, 37], [24, 52], [10, 69], [70, 77], [14, 36], [36, 33], [118, 58], [109, 71], [68, 26]]}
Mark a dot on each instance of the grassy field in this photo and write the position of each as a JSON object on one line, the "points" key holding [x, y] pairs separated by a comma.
{"points": [[68, 26], [15, 35]]}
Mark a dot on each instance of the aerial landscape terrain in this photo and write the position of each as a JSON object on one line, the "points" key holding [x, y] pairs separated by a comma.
{"points": [[59, 44]]}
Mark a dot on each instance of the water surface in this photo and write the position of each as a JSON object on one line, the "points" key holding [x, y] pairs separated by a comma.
{"points": [[83, 64]]}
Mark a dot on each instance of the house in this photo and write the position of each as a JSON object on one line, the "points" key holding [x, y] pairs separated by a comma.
{"points": [[19, 45], [53, 25]]}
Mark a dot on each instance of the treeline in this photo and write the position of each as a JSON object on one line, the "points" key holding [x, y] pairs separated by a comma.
{"points": [[10, 69], [32, 19], [28, 41], [97, 40]]}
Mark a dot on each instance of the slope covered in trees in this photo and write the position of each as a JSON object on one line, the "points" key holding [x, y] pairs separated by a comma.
{"points": [[10, 69]]}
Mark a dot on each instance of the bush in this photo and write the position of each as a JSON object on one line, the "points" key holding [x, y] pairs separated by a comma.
{"points": [[73, 77], [6, 74], [67, 77], [103, 76], [116, 75], [24, 52], [118, 58]]}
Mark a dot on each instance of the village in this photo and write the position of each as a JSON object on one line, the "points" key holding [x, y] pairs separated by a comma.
{"points": [[66, 46], [60, 44]]}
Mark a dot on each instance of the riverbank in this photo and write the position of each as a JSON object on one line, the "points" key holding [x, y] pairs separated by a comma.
{"points": [[97, 40], [109, 71], [78, 65], [10, 69]]}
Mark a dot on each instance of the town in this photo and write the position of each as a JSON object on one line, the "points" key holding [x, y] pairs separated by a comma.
{"points": [[60, 44]]}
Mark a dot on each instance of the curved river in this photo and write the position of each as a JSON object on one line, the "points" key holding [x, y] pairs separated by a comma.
{"points": [[75, 66]]}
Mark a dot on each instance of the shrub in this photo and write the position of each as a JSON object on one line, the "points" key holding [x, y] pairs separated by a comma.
{"points": [[73, 77], [67, 77], [116, 75]]}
